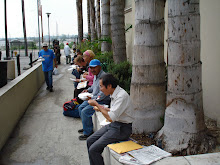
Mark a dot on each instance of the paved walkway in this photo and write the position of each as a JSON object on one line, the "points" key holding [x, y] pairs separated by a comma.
{"points": [[44, 136]]}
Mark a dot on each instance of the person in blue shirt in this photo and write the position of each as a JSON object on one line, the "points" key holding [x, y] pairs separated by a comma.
{"points": [[85, 110], [47, 65]]}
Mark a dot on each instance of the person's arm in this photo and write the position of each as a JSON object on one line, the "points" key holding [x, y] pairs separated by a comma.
{"points": [[89, 77], [40, 54], [100, 96], [54, 58], [90, 89], [55, 62], [101, 108]]}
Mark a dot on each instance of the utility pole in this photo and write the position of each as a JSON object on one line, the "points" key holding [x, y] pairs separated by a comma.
{"points": [[6, 35], [24, 28], [38, 5], [42, 26], [48, 15]]}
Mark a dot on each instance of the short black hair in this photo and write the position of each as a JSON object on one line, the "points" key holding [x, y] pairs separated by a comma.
{"points": [[108, 79]]}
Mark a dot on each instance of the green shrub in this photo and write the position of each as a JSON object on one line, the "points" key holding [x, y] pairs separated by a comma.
{"points": [[71, 45], [62, 46], [123, 73], [87, 45], [106, 57]]}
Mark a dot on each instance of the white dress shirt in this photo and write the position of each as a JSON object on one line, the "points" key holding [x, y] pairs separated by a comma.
{"points": [[121, 109]]}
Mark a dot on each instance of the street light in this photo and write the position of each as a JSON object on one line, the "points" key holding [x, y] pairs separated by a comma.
{"points": [[48, 15], [6, 35]]}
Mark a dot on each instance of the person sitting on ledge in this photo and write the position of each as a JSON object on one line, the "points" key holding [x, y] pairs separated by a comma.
{"points": [[120, 114], [85, 110]]}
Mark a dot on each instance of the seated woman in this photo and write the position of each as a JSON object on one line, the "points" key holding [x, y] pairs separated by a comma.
{"points": [[79, 71], [82, 67], [88, 56]]}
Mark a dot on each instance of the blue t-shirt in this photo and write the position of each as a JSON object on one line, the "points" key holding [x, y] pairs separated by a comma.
{"points": [[48, 55]]}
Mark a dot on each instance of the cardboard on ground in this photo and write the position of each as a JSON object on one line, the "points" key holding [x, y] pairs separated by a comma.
{"points": [[124, 146]]}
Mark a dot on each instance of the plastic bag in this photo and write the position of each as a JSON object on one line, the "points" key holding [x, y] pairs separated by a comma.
{"points": [[55, 71]]}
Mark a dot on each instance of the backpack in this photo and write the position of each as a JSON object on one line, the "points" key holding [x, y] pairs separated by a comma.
{"points": [[70, 105], [70, 108]]}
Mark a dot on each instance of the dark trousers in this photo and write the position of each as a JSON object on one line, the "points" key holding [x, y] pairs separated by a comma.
{"points": [[49, 79], [76, 93], [68, 59], [111, 133], [58, 58]]}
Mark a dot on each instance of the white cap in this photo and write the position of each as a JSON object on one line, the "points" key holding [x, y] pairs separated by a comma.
{"points": [[44, 44]]}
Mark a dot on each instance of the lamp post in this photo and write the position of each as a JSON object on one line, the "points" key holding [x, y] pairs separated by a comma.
{"points": [[48, 15], [6, 35], [24, 28], [38, 4]]}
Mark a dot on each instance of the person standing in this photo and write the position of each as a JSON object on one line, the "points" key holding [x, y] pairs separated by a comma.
{"points": [[74, 56], [74, 45], [67, 53], [47, 65], [120, 114], [57, 52]]}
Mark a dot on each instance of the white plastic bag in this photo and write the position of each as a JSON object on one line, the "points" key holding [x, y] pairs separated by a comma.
{"points": [[55, 71], [40, 59]]}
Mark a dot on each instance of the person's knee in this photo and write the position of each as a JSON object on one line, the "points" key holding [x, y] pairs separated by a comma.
{"points": [[86, 111], [92, 149], [83, 112], [80, 108], [89, 142], [95, 149]]}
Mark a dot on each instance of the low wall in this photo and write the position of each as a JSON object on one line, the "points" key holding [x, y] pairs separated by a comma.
{"points": [[15, 97]]}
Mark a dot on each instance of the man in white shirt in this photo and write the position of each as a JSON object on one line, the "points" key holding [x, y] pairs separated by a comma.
{"points": [[120, 114], [67, 53]]}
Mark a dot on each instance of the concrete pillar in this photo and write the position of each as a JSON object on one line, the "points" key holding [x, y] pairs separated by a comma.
{"points": [[10, 69]]}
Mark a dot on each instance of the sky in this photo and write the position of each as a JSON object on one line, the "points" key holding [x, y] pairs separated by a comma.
{"points": [[62, 20]]}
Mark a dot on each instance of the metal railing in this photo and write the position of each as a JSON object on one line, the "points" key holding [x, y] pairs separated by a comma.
{"points": [[31, 60]]}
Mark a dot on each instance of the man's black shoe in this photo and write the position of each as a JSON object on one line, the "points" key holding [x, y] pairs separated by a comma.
{"points": [[47, 88], [80, 131], [83, 137], [51, 90]]}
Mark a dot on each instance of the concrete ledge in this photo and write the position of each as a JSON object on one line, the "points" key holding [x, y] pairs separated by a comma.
{"points": [[97, 118], [15, 97], [111, 157]]}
